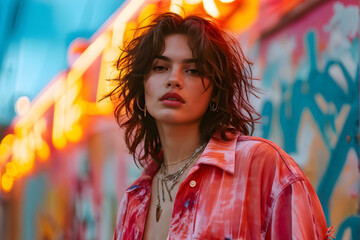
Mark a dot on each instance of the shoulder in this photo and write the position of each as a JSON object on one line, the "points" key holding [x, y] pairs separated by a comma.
{"points": [[241, 154], [134, 199], [264, 157], [251, 143], [148, 171]]}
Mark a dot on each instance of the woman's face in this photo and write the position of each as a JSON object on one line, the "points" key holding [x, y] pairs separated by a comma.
{"points": [[174, 92]]}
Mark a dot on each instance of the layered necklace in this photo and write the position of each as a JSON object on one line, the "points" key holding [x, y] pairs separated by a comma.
{"points": [[168, 181]]}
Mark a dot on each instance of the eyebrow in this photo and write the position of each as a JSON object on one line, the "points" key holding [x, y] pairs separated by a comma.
{"points": [[166, 59]]}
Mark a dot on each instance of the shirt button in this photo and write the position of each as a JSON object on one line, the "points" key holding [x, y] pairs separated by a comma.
{"points": [[193, 183]]}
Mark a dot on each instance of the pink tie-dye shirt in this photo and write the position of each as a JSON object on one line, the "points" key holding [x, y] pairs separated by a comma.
{"points": [[247, 188]]}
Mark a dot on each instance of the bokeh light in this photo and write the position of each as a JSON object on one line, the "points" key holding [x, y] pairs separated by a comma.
{"points": [[12, 169], [227, 1], [43, 151], [176, 7], [193, 2], [5, 147], [22, 105], [4, 153], [7, 182], [210, 8]]}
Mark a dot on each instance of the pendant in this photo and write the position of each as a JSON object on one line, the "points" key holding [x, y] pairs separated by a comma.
{"points": [[169, 191], [158, 213]]}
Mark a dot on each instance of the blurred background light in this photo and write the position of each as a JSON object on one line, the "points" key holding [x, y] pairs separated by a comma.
{"points": [[6, 147], [193, 2], [43, 151], [227, 1], [176, 6], [7, 182], [22, 105], [4, 153], [12, 169], [211, 8]]}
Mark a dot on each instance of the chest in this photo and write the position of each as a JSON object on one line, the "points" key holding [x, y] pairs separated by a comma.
{"points": [[207, 206], [159, 213]]}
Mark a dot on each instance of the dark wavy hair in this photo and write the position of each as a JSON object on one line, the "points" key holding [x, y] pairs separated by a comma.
{"points": [[219, 59]]}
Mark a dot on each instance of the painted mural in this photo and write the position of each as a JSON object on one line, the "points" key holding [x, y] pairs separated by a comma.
{"points": [[309, 74]]}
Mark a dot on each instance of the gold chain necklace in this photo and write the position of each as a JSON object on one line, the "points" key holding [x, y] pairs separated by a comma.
{"points": [[173, 163], [164, 178]]}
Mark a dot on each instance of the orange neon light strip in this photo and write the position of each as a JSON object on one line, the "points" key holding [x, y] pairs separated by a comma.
{"points": [[39, 107]]}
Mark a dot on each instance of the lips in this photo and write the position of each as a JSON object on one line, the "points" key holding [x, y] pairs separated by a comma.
{"points": [[172, 97]]}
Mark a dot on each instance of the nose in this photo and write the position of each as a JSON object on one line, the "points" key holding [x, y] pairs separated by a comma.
{"points": [[176, 78]]}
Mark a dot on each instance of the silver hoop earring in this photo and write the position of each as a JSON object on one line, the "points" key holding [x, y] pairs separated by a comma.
{"points": [[142, 109]]}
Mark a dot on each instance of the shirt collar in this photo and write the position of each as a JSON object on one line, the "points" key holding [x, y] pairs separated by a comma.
{"points": [[144, 180], [220, 153]]}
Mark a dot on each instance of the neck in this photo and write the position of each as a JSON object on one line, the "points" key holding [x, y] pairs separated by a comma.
{"points": [[178, 141]]}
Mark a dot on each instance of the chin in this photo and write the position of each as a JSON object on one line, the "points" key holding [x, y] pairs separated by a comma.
{"points": [[170, 120], [177, 121], [175, 117]]}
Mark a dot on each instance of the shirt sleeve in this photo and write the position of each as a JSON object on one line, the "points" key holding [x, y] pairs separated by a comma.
{"points": [[297, 214], [120, 217]]}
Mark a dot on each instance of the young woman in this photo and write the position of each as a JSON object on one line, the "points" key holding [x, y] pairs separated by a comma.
{"points": [[183, 99]]}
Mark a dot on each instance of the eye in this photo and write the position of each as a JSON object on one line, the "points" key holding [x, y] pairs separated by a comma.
{"points": [[159, 68], [193, 71]]}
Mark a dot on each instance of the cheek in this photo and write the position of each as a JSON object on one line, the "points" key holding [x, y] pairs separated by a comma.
{"points": [[208, 94], [207, 100], [149, 88], [202, 100]]}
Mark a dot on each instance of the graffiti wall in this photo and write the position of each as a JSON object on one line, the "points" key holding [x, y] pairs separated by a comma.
{"points": [[309, 74]]}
